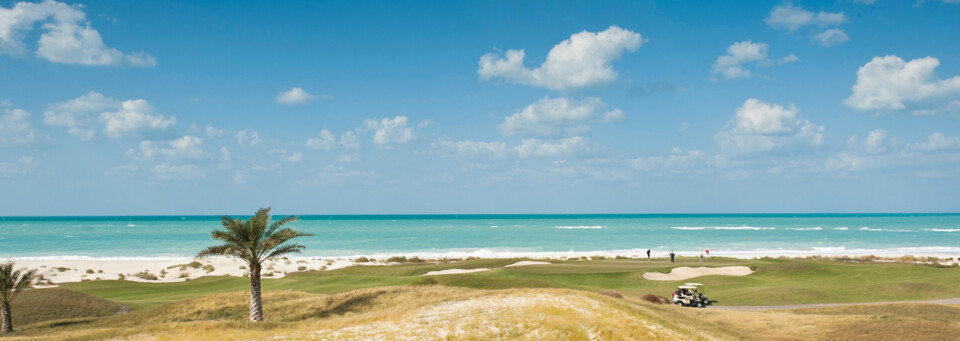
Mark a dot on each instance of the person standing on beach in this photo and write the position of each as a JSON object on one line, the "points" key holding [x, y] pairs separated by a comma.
{"points": [[708, 254], [671, 256], [648, 255]]}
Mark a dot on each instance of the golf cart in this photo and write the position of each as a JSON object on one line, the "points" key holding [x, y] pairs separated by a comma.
{"points": [[699, 292], [685, 296]]}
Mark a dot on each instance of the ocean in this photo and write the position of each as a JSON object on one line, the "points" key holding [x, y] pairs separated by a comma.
{"points": [[433, 236]]}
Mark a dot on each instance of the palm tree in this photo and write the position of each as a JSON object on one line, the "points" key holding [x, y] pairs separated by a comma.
{"points": [[254, 241], [12, 282]]}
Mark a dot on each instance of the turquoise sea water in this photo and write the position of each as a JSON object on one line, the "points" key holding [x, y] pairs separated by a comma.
{"points": [[502, 235]]}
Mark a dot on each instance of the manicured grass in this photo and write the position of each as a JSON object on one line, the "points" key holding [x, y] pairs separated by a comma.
{"points": [[43, 305], [776, 281]]}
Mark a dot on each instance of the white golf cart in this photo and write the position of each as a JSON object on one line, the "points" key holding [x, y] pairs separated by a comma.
{"points": [[699, 292], [685, 296]]}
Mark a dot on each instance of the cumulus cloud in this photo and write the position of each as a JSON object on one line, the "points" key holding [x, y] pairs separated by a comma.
{"points": [[472, 149], [248, 137], [15, 128], [134, 119], [891, 84], [831, 37], [327, 141], [130, 118], [678, 161], [556, 117], [67, 36], [24, 165], [879, 151], [177, 172], [390, 131], [791, 18], [937, 142], [294, 96], [761, 127], [732, 65], [583, 60], [571, 146], [180, 149]]}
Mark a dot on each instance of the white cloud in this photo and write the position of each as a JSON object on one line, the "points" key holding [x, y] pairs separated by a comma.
{"points": [[67, 36], [730, 65], [678, 161], [791, 18], [177, 172], [876, 142], [248, 137], [338, 175], [294, 96], [581, 61], [761, 127], [571, 146], [131, 118], [24, 165], [213, 132], [558, 117], [937, 142], [134, 119], [348, 158], [327, 141], [225, 154], [472, 149], [291, 156], [891, 84], [75, 114], [180, 149], [15, 128], [831, 37], [740, 54], [391, 131]]}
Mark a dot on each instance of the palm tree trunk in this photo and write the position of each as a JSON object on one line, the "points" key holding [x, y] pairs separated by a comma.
{"points": [[256, 304], [7, 325]]}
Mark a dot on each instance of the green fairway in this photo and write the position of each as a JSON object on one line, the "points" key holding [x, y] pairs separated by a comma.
{"points": [[776, 281]]}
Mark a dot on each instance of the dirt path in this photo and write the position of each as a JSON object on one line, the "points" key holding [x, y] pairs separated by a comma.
{"points": [[955, 300]]}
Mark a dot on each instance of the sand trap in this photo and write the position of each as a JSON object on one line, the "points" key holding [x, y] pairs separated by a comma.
{"points": [[454, 271], [682, 273], [527, 262]]}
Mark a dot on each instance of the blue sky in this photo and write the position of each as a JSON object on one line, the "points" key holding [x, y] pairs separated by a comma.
{"points": [[136, 108]]}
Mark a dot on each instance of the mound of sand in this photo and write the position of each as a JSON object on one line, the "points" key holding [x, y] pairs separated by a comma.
{"points": [[682, 273], [527, 262], [454, 271]]}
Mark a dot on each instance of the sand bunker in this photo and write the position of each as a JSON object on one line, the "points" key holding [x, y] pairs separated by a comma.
{"points": [[454, 271], [682, 273], [527, 262]]}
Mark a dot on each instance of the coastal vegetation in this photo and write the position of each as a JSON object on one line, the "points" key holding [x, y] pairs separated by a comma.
{"points": [[12, 282], [255, 241], [554, 301]]}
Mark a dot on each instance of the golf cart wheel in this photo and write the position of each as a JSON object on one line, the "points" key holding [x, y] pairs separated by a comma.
{"points": [[699, 304], [705, 302]]}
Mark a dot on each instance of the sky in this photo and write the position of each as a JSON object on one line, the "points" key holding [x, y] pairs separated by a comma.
{"points": [[472, 107]]}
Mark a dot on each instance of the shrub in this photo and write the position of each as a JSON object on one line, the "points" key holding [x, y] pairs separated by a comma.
{"points": [[147, 275], [268, 274], [654, 299], [424, 281], [302, 268], [163, 273], [184, 275], [415, 260], [90, 271], [397, 259], [100, 271], [195, 264], [323, 268], [621, 257], [359, 260], [208, 268], [611, 293], [286, 261], [61, 269], [243, 267], [121, 277]]}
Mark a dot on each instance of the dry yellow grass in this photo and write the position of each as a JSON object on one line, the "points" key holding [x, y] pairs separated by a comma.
{"points": [[432, 312]]}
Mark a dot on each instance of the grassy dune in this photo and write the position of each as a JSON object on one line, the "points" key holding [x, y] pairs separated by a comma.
{"points": [[530, 302]]}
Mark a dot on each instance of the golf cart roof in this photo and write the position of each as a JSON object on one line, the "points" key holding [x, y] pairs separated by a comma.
{"points": [[686, 287], [693, 284]]}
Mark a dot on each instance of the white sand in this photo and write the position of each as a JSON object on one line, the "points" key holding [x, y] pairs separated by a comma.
{"points": [[682, 273], [76, 270], [454, 271], [527, 262]]}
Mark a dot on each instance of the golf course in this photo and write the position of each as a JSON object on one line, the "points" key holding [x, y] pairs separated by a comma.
{"points": [[572, 299]]}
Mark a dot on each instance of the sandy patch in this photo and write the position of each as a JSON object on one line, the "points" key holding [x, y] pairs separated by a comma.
{"points": [[682, 273], [454, 271], [527, 262], [167, 270]]}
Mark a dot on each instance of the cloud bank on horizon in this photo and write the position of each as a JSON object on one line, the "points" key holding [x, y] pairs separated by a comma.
{"points": [[605, 112]]}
